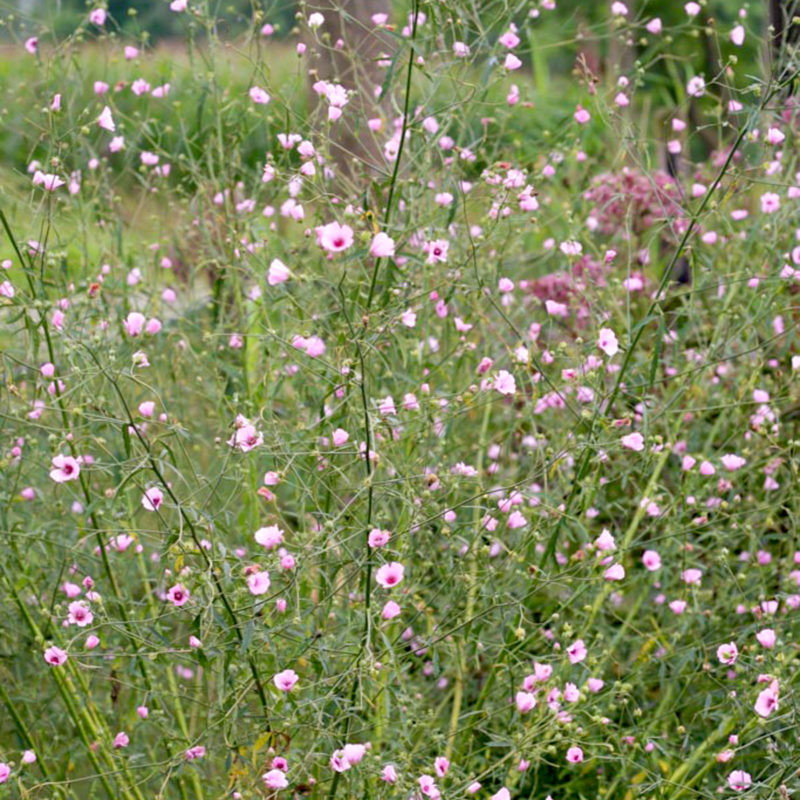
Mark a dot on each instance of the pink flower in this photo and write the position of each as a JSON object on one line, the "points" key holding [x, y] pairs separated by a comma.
{"points": [[607, 342], [767, 700], [47, 180], [278, 272], [65, 468], [334, 237], [246, 436], [389, 774], [354, 753], [5, 771], [504, 383], [389, 575], [437, 251], [198, 751], [770, 202], [32, 45], [390, 610], [178, 595], [79, 614], [386, 406], [152, 499], [739, 780], [340, 437], [732, 462], [503, 794], [556, 309], [654, 26], [633, 441], [427, 786], [259, 96], [582, 116], [605, 542], [576, 652], [767, 638], [525, 701], [258, 582], [382, 246], [696, 87], [509, 39], [512, 62], [574, 755], [106, 120], [55, 656], [516, 519], [140, 86], [269, 537], [286, 680], [378, 537], [728, 653], [616, 572], [737, 35], [692, 576], [677, 606], [134, 323], [97, 16], [121, 740], [275, 779], [441, 766]]}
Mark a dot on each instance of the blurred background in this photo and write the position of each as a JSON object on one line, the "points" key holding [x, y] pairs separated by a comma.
{"points": [[571, 48]]}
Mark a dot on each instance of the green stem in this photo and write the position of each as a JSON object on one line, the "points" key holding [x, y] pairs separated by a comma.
{"points": [[396, 170]]}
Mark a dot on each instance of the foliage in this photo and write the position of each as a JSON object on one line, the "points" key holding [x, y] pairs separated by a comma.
{"points": [[415, 427]]}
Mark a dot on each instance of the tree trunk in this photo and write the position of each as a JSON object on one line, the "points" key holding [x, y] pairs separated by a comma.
{"points": [[352, 46]]}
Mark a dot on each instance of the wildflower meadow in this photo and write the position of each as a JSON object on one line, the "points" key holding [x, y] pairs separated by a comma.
{"points": [[399, 399]]}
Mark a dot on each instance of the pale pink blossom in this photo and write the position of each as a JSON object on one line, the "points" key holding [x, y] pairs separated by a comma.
{"points": [[382, 246], [389, 575], [285, 680], [607, 342], [269, 537], [577, 652], [574, 755], [258, 582], [334, 237], [739, 780], [633, 441], [278, 272], [55, 656], [65, 468], [152, 499], [259, 96], [275, 779], [178, 595], [728, 653], [504, 383]]}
